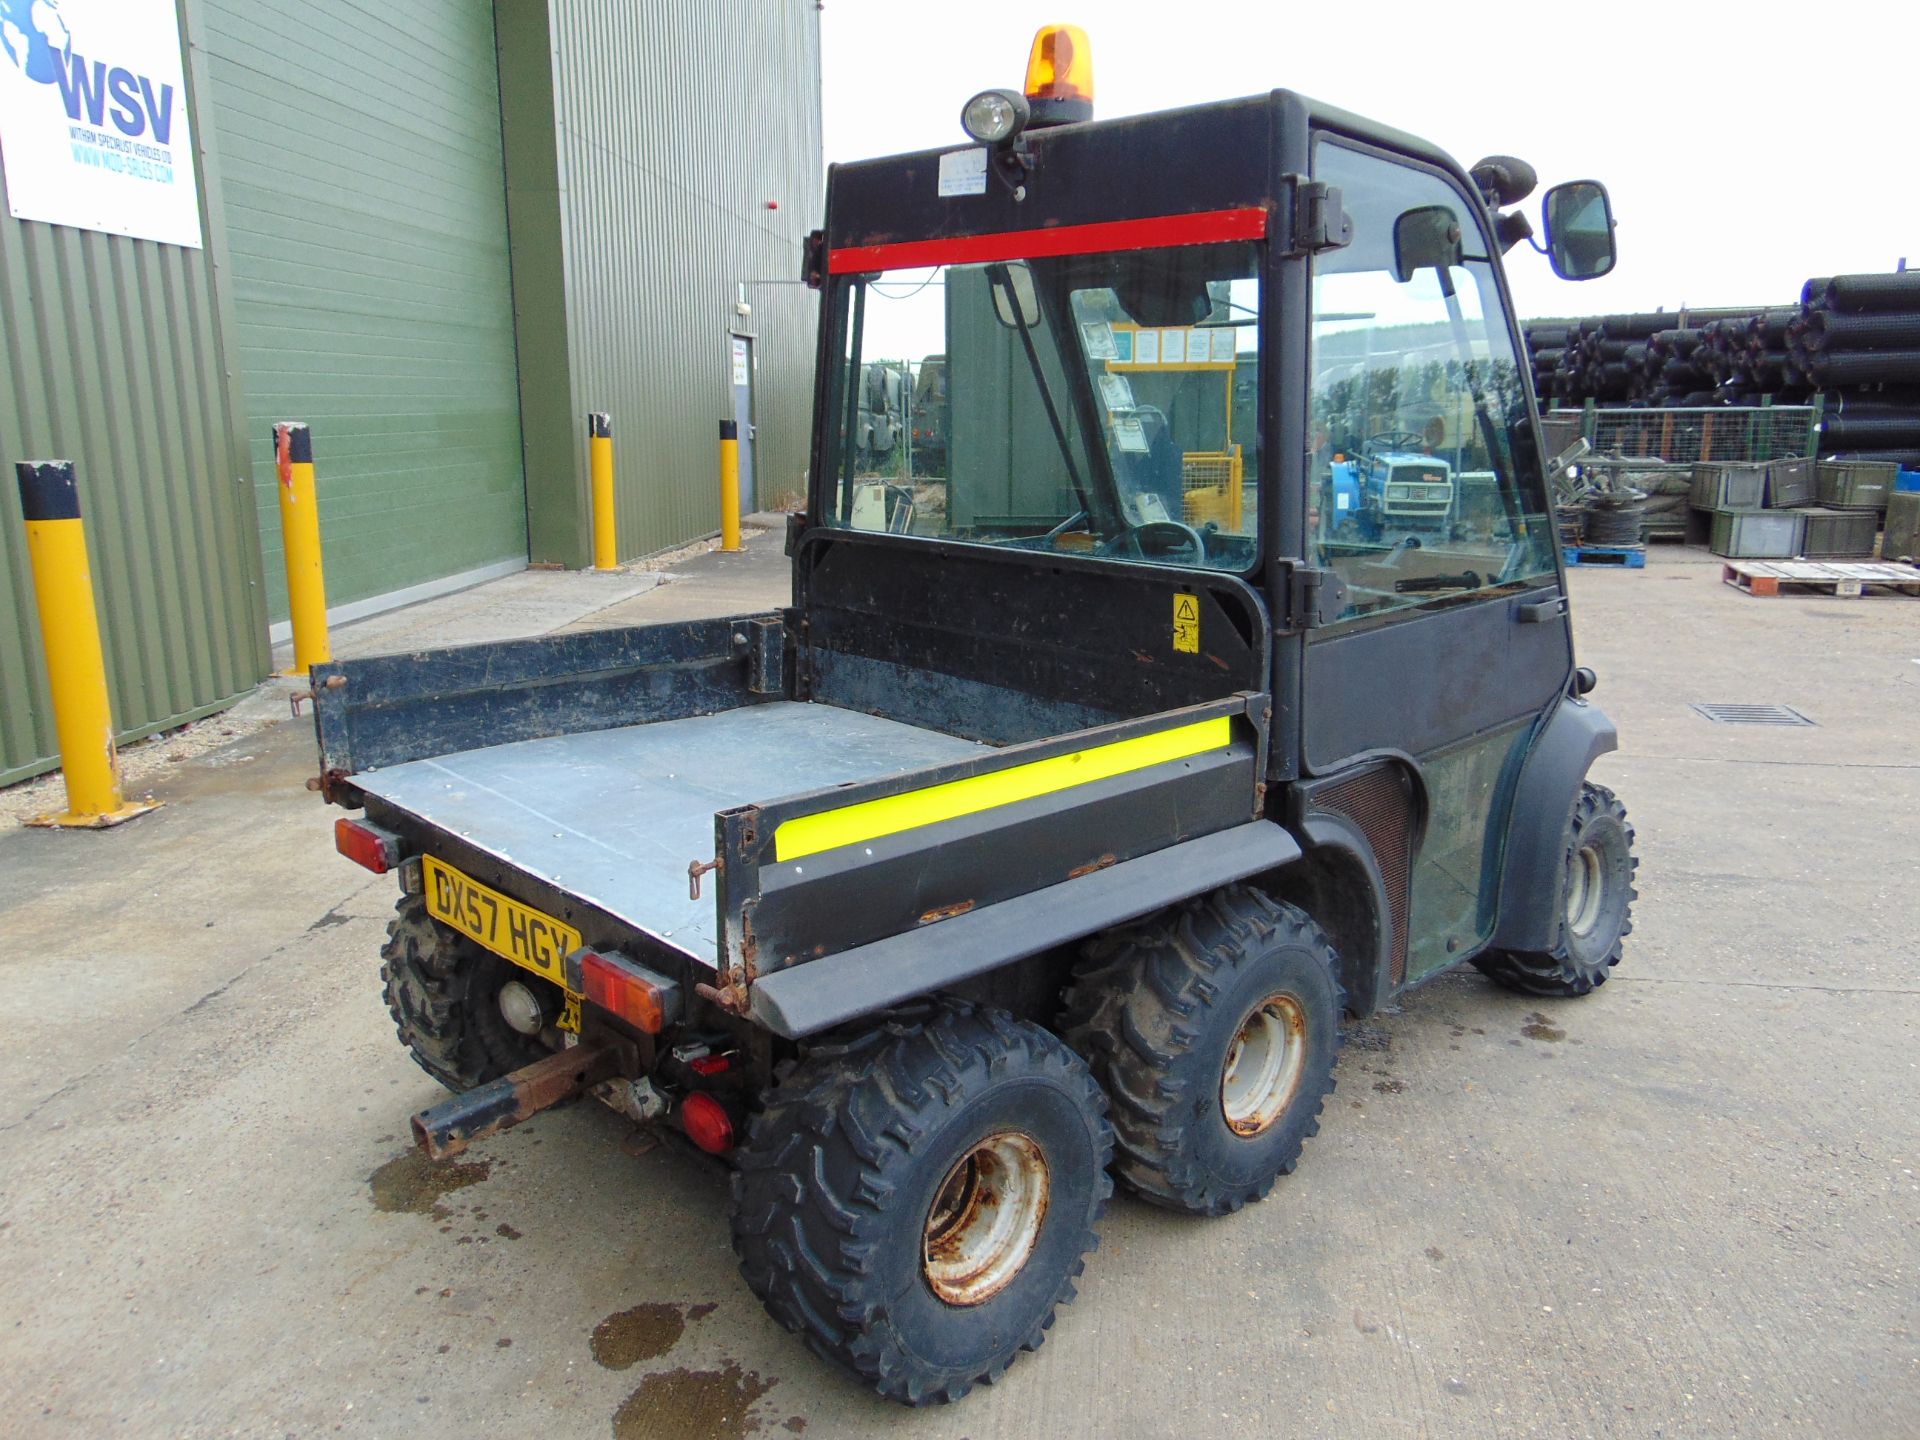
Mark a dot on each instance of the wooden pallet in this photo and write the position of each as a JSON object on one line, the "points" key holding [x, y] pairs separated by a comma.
{"points": [[1632, 557], [1851, 578]]}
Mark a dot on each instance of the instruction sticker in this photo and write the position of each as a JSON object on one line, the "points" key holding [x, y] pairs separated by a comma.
{"points": [[1099, 339], [1222, 341], [1186, 622], [1146, 347], [964, 172], [1116, 392], [1173, 347], [1129, 435], [1123, 347]]}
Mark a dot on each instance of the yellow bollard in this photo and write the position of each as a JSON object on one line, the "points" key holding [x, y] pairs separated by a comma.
{"points": [[729, 486], [70, 634], [606, 553], [300, 539]]}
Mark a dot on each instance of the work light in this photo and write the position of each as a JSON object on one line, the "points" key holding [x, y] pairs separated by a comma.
{"points": [[994, 117]]}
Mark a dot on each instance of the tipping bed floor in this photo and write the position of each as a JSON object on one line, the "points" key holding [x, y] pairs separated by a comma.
{"points": [[615, 816]]}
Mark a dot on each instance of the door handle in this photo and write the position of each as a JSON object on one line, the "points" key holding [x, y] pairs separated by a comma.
{"points": [[1541, 611]]}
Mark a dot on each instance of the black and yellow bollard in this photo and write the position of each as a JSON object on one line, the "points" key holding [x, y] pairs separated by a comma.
{"points": [[70, 634], [606, 553], [729, 486], [300, 540]]}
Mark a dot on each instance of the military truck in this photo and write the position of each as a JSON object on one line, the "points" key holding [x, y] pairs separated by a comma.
{"points": [[1047, 847]]}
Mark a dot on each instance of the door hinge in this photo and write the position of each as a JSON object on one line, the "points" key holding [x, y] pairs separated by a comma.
{"points": [[813, 259], [1320, 219], [1314, 597]]}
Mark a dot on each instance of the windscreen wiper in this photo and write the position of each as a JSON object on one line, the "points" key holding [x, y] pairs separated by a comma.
{"points": [[1465, 580], [998, 277]]}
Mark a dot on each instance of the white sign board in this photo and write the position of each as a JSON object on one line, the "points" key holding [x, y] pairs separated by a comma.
{"points": [[93, 118]]}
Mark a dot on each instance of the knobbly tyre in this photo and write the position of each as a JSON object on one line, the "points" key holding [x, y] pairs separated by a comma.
{"points": [[1086, 784]]}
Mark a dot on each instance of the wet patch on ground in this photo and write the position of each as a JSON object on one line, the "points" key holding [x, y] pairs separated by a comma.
{"points": [[683, 1404], [645, 1332], [414, 1185], [1539, 1027]]}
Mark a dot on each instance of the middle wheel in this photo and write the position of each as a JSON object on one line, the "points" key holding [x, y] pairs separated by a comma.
{"points": [[1214, 1029]]}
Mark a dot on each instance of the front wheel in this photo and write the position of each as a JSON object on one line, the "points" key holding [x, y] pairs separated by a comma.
{"points": [[1597, 913], [917, 1200]]}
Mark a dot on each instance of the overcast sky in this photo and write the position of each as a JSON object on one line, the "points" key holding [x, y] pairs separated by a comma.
{"points": [[1747, 147]]}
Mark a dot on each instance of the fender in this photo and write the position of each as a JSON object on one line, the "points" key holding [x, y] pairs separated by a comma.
{"points": [[805, 999], [1533, 870]]}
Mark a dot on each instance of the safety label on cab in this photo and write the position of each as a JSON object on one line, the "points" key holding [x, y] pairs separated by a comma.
{"points": [[1186, 622], [964, 172]]}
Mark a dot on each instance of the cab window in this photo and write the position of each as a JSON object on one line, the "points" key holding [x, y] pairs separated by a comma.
{"points": [[1424, 488], [1103, 405]]}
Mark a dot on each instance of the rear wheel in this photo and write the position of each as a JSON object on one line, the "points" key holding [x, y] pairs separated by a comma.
{"points": [[1597, 913], [462, 1011], [1214, 1029], [917, 1200]]}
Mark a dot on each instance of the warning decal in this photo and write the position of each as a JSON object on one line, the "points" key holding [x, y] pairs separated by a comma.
{"points": [[1186, 622]]}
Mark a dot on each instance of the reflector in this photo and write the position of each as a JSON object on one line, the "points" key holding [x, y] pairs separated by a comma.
{"points": [[707, 1123]]}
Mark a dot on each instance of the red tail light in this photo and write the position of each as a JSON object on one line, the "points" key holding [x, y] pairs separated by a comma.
{"points": [[368, 845], [707, 1123]]}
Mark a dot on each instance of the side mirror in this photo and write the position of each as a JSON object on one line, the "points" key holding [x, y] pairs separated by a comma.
{"points": [[1579, 223], [1015, 302], [1428, 236]]}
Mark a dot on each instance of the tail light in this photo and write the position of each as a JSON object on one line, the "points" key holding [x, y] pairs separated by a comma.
{"points": [[707, 1123], [368, 845], [643, 998]]}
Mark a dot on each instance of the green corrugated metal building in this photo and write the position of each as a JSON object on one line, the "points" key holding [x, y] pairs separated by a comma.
{"points": [[439, 233]]}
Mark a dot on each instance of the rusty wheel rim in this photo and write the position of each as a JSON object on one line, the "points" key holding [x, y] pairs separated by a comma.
{"points": [[1586, 891], [985, 1220], [1264, 1065]]}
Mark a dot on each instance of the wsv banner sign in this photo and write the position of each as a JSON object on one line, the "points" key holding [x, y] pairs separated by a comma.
{"points": [[93, 118]]}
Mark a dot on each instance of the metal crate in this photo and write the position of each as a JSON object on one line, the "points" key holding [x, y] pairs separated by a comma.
{"points": [[1856, 484], [1687, 434], [1789, 483], [1837, 534], [1902, 540], [1718, 486], [1757, 534]]}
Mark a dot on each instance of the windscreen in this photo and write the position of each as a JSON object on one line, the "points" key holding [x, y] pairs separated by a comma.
{"points": [[1103, 405]]}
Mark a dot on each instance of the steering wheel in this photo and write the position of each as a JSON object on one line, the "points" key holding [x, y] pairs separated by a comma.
{"points": [[1136, 539], [1396, 440]]}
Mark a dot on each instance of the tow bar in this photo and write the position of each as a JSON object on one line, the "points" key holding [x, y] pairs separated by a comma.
{"points": [[446, 1129]]}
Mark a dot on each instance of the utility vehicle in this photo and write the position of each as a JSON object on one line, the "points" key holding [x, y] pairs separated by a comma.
{"points": [[1045, 839]]}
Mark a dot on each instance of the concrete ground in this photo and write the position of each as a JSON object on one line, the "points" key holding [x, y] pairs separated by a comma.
{"points": [[1685, 1206]]}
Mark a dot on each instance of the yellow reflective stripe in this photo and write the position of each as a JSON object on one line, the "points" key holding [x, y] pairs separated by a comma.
{"points": [[871, 819]]}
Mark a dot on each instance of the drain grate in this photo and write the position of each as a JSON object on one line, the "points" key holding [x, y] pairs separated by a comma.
{"points": [[1752, 714]]}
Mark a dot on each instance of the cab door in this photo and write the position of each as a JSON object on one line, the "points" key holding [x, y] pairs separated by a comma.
{"points": [[1426, 499]]}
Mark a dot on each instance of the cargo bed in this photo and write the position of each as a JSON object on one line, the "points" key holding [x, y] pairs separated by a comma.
{"points": [[615, 816]]}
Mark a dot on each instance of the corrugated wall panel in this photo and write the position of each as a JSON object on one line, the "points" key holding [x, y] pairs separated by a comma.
{"points": [[365, 207], [111, 356], [676, 122]]}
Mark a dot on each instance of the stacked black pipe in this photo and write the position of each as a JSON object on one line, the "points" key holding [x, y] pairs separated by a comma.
{"points": [[1716, 357], [1857, 340], [1853, 339]]}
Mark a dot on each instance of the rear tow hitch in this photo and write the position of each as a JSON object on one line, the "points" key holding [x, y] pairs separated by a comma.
{"points": [[446, 1129]]}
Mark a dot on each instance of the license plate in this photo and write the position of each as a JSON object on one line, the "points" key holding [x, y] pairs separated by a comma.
{"points": [[528, 937]]}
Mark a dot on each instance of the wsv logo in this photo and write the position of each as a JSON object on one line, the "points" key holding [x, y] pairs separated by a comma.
{"points": [[93, 91], [35, 38]]}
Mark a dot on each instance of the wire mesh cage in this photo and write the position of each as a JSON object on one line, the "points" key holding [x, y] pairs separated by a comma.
{"points": [[1685, 436], [1213, 483]]}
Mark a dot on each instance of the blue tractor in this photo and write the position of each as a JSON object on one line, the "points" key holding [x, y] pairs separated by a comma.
{"points": [[1392, 489]]}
